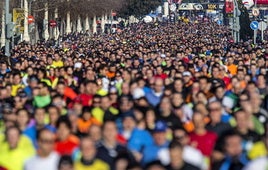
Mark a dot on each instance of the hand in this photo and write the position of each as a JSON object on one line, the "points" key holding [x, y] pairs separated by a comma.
{"points": [[138, 156]]}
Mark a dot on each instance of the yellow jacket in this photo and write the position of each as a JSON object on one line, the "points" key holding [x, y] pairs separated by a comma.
{"points": [[14, 159], [96, 165]]}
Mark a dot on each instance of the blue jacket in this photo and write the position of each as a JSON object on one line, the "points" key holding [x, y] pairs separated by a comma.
{"points": [[150, 152], [152, 98], [139, 139]]}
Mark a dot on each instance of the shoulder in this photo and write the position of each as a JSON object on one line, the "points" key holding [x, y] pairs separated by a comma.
{"points": [[260, 164]]}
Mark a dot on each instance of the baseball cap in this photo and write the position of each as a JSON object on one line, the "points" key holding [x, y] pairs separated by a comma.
{"points": [[160, 126]]}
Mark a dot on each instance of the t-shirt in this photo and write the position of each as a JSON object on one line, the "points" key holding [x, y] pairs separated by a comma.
{"points": [[57, 63], [15, 88], [68, 146], [205, 143], [41, 101], [97, 164], [37, 162]]}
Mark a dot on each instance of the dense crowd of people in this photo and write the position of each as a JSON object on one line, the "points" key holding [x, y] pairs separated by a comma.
{"points": [[155, 96]]}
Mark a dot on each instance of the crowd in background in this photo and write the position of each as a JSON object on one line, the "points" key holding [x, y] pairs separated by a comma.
{"points": [[155, 96]]}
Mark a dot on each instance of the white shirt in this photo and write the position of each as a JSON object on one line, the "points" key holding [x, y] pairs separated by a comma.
{"points": [[39, 163], [258, 164], [194, 157]]}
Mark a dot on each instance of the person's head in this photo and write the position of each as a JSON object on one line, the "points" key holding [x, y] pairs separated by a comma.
{"points": [[186, 76], [43, 89], [64, 128], [126, 75], [96, 100], [122, 160], [95, 132], [39, 116], [177, 99], [126, 103], [240, 74], [53, 114], [241, 120], [155, 165], [215, 72], [109, 131], [23, 117], [244, 102], [129, 121], [45, 140], [159, 133], [203, 83], [105, 102], [165, 105], [90, 87], [86, 113], [87, 148], [33, 81], [232, 143], [255, 100], [198, 120], [158, 85], [181, 135], [61, 88], [66, 163], [175, 154], [219, 92], [56, 56], [16, 78], [150, 116], [215, 111], [12, 135]]}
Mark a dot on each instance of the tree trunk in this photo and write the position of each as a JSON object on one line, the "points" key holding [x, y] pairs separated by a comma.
{"points": [[46, 33], [3, 37], [102, 22], [26, 36], [56, 29], [79, 26], [94, 25], [86, 27]]}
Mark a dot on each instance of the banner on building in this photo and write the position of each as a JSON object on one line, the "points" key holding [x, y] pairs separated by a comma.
{"points": [[18, 19]]}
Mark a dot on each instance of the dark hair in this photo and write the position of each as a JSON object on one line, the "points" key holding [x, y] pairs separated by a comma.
{"points": [[39, 132], [65, 120], [65, 160], [154, 163], [10, 128], [175, 144], [226, 135]]}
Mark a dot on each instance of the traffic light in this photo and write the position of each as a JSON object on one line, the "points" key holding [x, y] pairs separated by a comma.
{"points": [[10, 29]]}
